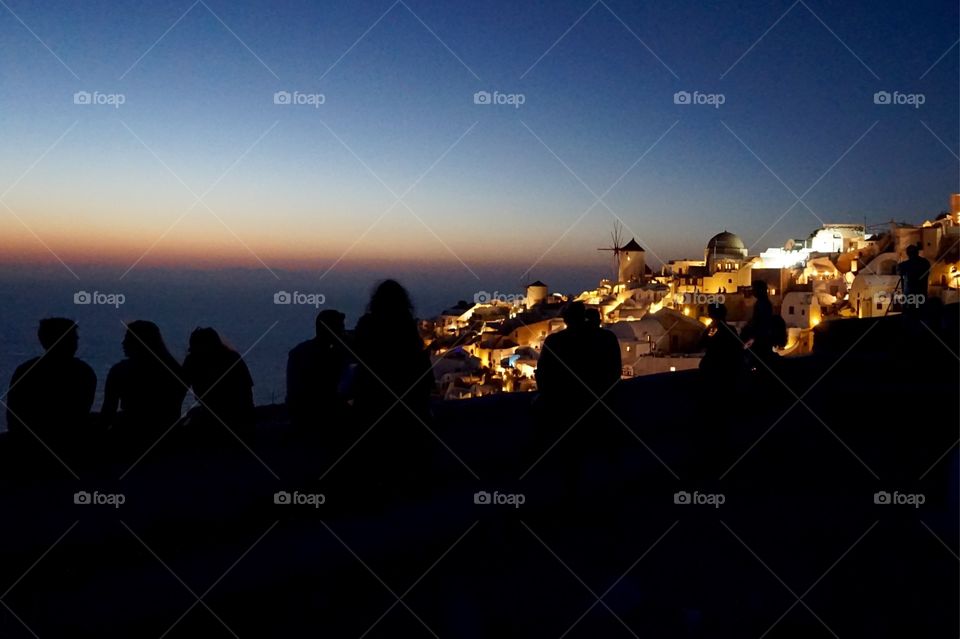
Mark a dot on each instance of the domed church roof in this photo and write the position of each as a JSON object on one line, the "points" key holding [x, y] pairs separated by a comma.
{"points": [[725, 241]]}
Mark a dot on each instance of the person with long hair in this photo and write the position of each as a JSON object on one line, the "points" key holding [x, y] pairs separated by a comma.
{"points": [[145, 390], [221, 383], [392, 384], [392, 361]]}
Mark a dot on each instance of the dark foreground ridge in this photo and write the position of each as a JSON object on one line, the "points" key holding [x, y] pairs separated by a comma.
{"points": [[818, 501]]}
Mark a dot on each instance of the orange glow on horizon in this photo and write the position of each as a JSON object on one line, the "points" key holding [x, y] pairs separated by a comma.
{"points": [[214, 246]]}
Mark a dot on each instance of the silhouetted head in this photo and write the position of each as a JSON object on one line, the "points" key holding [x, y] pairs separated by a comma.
{"points": [[205, 342], [143, 340], [913, 251], [760, 289], [717, 312], [592, 317], [574, 315], [58, 336], [329, 321], [391, 299]]}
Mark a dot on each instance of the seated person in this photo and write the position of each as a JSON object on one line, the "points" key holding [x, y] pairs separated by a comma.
{"points": [[221, 382], [315, 369], [50, 396], [147, 387]]}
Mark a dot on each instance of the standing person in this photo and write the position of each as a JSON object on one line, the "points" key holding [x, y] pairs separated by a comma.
{"points": [[569, 416], [392, 361], [604, 439], [221, 382], [393, 382], [144, 392], [578, 364], [50, 396], [315, 369], [563, 361], [607, 370], [914, 273], [758, 335], [721, 371], [723, 351]]}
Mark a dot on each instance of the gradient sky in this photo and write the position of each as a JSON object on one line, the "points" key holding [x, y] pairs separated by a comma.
{"points": [[294, 186]]}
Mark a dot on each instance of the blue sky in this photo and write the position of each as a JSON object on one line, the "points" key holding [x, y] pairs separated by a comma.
{"points": [[297, 186]]}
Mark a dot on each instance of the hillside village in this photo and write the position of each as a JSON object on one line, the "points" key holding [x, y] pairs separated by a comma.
{"points": [[659, 317]]}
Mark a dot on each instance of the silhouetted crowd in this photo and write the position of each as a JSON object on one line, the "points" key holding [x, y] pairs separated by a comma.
{"points": [[380, 373], [50, 396]]}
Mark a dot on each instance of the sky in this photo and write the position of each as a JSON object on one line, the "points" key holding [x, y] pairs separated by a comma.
{"points": [[472, 137]]}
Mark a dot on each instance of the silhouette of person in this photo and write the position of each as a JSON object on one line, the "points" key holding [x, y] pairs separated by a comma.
{"points": [[570, 366], [603, 369], [392, 361], [758, 334], [145, 391], [221, 382], [555, 374], [721, 369], [723, 350], [391, 387], [914, 273], [607, 369], [577, 365], [315, 369], [50, 396]]}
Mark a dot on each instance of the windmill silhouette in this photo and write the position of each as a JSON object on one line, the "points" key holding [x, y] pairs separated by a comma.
{"points": [[616, 247]]}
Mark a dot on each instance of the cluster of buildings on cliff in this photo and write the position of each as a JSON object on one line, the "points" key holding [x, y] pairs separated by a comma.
{"points": [[659, 317]]}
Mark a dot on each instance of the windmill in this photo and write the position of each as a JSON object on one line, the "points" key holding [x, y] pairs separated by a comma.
{"points": [[616, 247]]}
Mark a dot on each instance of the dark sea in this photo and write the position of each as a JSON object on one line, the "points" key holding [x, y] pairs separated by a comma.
{"points": [[238, 303]]}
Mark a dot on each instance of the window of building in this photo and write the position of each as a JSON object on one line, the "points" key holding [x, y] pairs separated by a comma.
{"points": [[803, 311], [790, 311]]}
